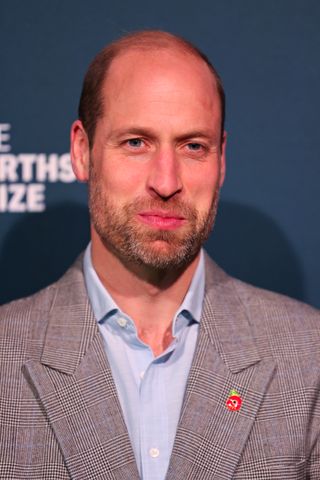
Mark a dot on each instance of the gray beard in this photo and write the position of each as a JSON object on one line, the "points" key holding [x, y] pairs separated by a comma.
{"points": [[134, 243]]}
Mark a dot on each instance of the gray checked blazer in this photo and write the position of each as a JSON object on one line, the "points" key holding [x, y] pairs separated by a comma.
{"points": [[60, 416]]}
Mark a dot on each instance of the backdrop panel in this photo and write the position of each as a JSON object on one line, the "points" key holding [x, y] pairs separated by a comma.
{"points": [[267, 53]]}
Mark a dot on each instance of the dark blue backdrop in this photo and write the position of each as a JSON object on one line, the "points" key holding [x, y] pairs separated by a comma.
{"points": [[267, 230]]}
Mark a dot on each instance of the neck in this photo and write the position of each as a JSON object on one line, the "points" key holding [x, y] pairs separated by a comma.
{"points": [[150, 297]]}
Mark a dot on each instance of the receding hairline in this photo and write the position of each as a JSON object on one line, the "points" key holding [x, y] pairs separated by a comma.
{"points": [[154, 52], [152, 41], [145, 40]]}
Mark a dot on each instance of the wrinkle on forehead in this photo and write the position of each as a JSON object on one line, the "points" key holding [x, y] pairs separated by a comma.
{"points": [[130, 70]]}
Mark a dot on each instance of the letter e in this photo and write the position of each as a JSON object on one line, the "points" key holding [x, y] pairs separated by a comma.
{"points": [[4, 137], [35, 197]]}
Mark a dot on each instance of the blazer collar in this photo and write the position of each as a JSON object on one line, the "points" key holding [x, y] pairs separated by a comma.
{"points": [[224, 353], [224, 319], [77, 392], [71, 326]]}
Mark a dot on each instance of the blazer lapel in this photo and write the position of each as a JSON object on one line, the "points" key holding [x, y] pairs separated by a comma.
{"points": [[210, 437], [74, 385]]}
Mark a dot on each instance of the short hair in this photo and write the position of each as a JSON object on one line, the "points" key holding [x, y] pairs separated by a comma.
{"points": [[91, 104]]}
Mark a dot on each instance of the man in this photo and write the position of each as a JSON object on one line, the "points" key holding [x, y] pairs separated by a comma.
{"points": [[146, 360]]}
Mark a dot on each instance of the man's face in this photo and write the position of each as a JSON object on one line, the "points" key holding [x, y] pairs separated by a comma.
{"points": [[157, 162]]}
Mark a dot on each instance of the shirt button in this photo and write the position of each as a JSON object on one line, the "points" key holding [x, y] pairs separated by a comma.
{"points": [[141, 375], [154, 452], [122, 322]]}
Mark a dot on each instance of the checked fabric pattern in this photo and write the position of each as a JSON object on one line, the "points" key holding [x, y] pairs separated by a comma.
{"points": [[60, 417]]}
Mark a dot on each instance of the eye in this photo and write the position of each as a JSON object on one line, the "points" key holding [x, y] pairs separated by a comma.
{"points": [[194, 146], [196, 150], [135, 142]]}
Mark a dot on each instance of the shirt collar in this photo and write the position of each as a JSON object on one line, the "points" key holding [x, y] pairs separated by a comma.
{"points": [[103, 304]]}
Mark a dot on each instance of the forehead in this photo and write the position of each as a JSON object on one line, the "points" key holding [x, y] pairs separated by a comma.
{"points": [[145, 57], [162, 73]]}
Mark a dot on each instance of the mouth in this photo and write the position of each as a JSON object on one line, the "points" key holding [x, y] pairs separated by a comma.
{"points": [[161, 219]]}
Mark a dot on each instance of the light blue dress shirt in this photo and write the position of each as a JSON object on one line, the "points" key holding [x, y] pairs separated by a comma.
{"points": [[150, 388]]}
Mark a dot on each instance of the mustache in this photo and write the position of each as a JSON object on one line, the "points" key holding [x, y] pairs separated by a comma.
{"points": [[172, 205]]}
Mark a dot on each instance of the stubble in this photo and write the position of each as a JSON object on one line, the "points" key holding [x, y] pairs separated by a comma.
{"points": [[131, 241]]}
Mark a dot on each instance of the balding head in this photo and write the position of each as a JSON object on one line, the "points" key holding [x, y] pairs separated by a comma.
{"points": [[91, 106]]}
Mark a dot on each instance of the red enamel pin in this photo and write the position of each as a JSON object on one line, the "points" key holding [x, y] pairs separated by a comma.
{"points": [[234, 400]]}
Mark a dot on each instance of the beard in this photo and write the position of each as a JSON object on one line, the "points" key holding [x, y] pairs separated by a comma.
{"points": [[134, 242]]}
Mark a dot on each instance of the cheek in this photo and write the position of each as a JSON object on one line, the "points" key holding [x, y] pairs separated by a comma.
{"points": [[121, 179], [203, 186]]}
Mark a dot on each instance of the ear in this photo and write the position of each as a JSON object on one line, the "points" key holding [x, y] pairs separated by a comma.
{"points": [[79, 151], [223, 158]]}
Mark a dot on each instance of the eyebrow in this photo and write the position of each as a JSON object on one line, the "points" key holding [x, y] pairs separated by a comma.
{"points": [[147, 132], [206, 134], [140, 131]]}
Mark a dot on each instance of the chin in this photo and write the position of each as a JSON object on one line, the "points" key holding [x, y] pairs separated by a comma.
{"points": [[163, 256]]}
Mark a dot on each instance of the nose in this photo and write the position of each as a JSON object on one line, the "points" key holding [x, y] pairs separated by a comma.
{"points": [[164, 178]]}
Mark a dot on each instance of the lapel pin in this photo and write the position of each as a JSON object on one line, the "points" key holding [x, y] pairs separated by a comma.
{"points": [[234, 400]]}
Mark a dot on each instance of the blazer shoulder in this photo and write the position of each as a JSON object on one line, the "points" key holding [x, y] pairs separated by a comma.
{"points": [[267, 311], [16, 315], [29, 315], [268, 301], [290, 327]]}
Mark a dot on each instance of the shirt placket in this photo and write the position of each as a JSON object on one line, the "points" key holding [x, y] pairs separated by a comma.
{"points": [[154, 418]]}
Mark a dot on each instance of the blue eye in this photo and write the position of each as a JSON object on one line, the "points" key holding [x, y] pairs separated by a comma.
{"points": [[194, 146], [135, 142]]}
